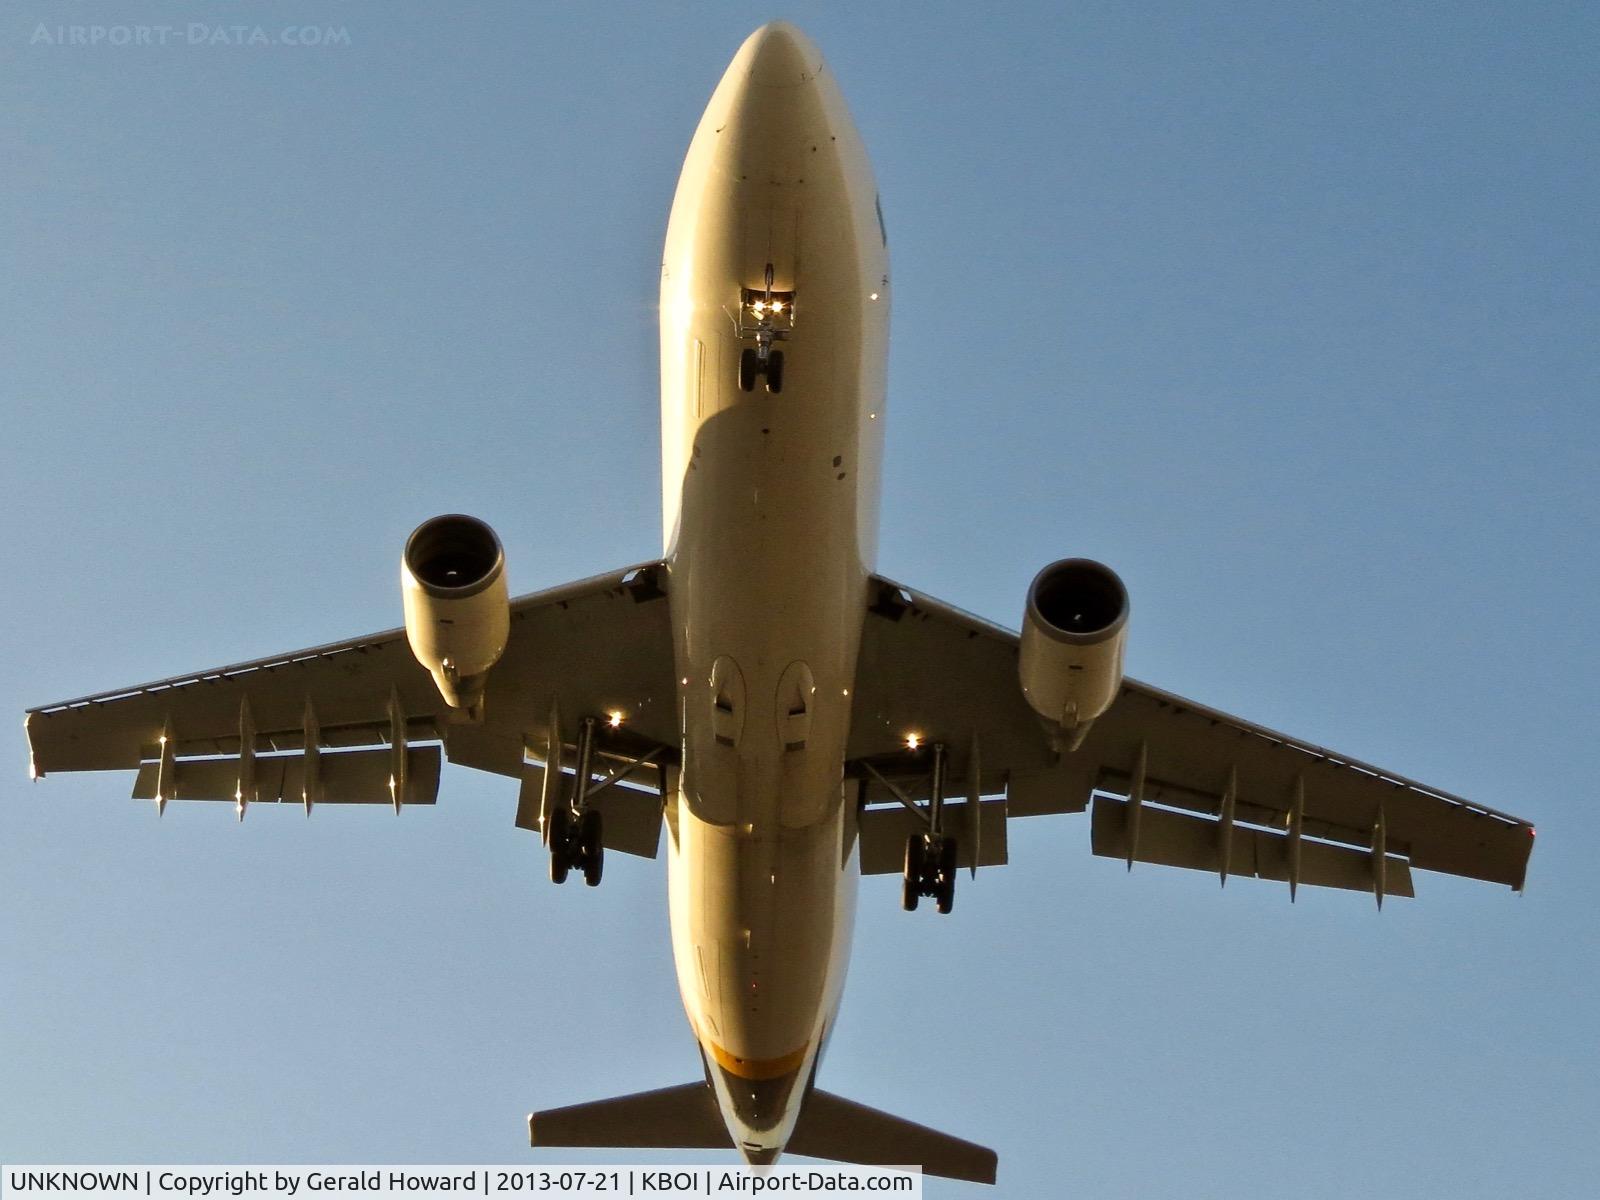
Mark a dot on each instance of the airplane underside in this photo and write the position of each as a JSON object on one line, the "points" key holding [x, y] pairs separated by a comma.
{"points": [[758, 700]]}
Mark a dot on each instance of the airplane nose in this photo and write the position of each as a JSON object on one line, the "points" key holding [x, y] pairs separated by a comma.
{"points": [[780, 55]]}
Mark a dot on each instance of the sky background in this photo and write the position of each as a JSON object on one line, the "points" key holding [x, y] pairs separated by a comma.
{"points": [[1289, 313]]}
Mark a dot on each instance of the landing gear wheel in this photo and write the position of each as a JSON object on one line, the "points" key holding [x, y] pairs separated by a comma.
{"points": [[749, 367], [774, 372], [911, 877], [560, 825], [593, 851], [945, 893]]}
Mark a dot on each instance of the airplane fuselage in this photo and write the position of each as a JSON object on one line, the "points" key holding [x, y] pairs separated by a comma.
{"points": [[770, 501]]}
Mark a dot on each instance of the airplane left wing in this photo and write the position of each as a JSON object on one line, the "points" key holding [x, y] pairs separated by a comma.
{"points": [[351, 722], [1172, 782]]}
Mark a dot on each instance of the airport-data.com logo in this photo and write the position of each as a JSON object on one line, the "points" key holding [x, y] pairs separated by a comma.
{"points": [[194, 33]]}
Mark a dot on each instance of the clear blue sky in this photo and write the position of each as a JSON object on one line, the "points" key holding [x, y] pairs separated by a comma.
{"points": [[1288, 312]]}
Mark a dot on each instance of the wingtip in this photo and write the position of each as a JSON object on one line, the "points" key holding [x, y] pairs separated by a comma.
{"points": [[34, 773]]}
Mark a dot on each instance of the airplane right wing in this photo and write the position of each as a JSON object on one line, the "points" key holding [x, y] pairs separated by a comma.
{"points": [[361, 721], [1171, 781]]}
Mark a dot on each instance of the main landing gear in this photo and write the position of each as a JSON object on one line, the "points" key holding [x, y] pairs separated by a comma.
{"points": [[572, 829], [575, 844], [933, 855], [930, 870], [573, 825]]}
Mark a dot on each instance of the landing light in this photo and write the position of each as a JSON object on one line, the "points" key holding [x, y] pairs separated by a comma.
{"points": [[913, 740], [614, 719]]}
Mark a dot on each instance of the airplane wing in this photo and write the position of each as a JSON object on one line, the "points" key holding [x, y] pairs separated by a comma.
{"points": [[1171, 782], [362, 722]]}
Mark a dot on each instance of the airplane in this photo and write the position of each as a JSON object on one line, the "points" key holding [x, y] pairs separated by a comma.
{"points": [[791, 719]]}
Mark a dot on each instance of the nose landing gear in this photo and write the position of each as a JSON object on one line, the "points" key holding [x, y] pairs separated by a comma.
{"points": [[752, 365], [766, 317]]}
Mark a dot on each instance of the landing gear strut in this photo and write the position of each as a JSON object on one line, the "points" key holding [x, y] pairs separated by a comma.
{"points": [[931, 853], [572, 823], [573, 829]]}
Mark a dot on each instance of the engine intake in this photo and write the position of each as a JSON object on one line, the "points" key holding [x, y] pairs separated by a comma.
{"points": [[458, 613], [1073, 631]]}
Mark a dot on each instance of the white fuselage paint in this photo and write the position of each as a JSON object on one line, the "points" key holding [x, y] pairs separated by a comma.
{"points": [[770, 521]]}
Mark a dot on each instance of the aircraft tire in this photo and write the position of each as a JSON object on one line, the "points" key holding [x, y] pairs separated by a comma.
{"points": [[911, 876], [946, 897], [594, 849], [560, 826]]}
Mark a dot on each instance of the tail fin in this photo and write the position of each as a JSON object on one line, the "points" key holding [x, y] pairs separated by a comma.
{"points": [[844, 1131], [683, 1117]]}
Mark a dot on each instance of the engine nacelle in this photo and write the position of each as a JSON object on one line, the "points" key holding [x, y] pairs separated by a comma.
{"points": [[458, 613], [1073, 630]]}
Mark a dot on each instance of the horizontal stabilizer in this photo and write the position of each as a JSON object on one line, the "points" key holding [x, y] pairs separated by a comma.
{"points": [[1173, 839], [686, 1118], [672, 1118], [843, 1131]]}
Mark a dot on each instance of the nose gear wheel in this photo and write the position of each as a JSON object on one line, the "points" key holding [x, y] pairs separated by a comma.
{"points": [[765, 317]]}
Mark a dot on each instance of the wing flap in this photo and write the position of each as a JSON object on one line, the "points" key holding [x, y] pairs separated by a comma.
{"points": [[630, 821], [344, 777], [1062, 788], [884, 831], [630, 816], [1173, 839]]}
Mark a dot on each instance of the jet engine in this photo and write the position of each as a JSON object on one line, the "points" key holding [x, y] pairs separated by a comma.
{"points": [[1073, 630], [458, 614]]}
